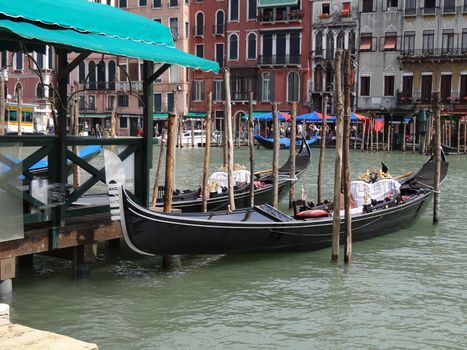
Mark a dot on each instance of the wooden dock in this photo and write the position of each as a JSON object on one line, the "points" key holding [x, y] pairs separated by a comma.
{"points": [[76, 241], [18, 337]]}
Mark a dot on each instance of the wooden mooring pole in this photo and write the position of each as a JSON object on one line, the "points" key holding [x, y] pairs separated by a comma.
{"points": [[404, 133], [348, 83], [275, 157], [155, 187], [293, 142], [207, 155], [251, 146], [338, 163], [19, 111], [414, 133], [322, 149], [465, 135], [437, 153], [230, 145], [169, 172]]}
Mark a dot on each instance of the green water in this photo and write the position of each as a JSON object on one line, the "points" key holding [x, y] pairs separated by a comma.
{"points": [[406, 290]]}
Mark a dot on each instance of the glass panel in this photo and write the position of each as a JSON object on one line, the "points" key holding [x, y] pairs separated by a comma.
{"points": [[11, 207]]}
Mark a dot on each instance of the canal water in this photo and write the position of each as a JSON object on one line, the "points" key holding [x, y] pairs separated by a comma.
{"points": [[406, 290]]}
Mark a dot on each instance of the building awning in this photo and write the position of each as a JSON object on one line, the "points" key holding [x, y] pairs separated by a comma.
{"points": [[81, 25], [160, 116], [390, 43], [195, 115], [95, 115], [275, 3], [365, 43]]}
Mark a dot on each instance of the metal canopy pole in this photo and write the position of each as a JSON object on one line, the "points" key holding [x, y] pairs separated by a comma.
{"points": [[57, 165]]}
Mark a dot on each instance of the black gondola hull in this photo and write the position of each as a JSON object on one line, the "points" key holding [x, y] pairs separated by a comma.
{"points": [[169, 234]]}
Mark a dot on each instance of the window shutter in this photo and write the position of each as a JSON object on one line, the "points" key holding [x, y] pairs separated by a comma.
{"points": [[203, 84]]}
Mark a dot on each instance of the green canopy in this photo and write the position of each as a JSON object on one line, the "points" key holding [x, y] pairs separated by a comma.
{"points": [[275, 3], [194, 115], [105, 34], [88, 17], [160, 116]]}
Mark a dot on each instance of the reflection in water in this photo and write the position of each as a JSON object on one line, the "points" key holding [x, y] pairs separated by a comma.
{"points": [[404, 290]]}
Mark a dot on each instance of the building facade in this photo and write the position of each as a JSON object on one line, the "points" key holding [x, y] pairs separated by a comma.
{"points": [[334, 26], [265, 45]]}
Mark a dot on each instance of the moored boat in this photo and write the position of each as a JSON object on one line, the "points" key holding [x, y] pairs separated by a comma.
{"points": [[265, 229]]}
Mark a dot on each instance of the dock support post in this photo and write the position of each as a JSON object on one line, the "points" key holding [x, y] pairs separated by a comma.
{"points": [[251, 147], [83, 256], [336, 222], [293, 127], [322, 149], [275, 157], [437, 153], [207, 155], [229, 138], [7, 272]]}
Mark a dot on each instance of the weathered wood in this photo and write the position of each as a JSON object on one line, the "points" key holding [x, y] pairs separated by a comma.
{"points": [[230, 145], [338, 162], [372, 136], [376, 136], [275, 157], [348, 83], [170, 163], [383, 146], [113, 118], [293, 128], [251, 146], [155, 187], [414, 133], [437, 154], [458, 135], [2, 104], [404, 133], [7, 268], [192, 127], [362, 145], [207, 155], [322, 149]]}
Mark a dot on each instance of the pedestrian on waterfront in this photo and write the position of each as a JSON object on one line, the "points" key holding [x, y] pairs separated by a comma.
{"points": [[98, 131]]}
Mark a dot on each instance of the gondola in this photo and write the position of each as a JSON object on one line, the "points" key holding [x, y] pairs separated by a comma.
{"points": [[191, 201], [263, 229], [284, 142]]}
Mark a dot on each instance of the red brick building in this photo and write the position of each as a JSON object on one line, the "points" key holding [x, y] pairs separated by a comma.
{"points": [[266, 46]]}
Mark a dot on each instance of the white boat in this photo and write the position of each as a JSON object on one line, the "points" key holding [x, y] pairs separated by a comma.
{"points": [[199, 138]]}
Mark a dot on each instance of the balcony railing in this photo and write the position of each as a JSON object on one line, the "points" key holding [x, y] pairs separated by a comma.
{"points": [[198, 30], [102, 85], [125, 86], [218, 29], [266, 17], [404, 98], [276, 59], [429, 53]]}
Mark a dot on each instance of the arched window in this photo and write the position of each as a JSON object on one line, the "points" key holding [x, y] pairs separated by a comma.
{"points": [[330, 46], [266, 87], [318, 79], [40, 91], [112, 74], [81, 73], [340, 40], [199, 23], [19, 92], [352, 41], [219, 22], [101, 76], [319, 44], [292, 87], [92, 74], [251, 46], [233, 47]]}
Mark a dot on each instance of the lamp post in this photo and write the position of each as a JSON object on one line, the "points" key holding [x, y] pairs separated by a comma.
{"points": [[19, 113]]}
